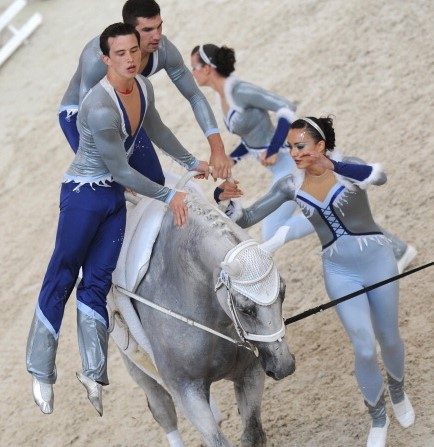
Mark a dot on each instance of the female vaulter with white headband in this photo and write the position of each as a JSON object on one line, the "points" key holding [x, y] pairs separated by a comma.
{"points": [[330, 190], [245, 107]]}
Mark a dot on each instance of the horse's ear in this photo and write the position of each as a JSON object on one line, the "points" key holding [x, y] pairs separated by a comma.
{"points": [[276, 241], [232, 268]]}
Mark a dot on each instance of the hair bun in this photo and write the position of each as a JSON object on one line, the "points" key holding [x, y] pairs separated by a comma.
{"points": [[224, 59]]}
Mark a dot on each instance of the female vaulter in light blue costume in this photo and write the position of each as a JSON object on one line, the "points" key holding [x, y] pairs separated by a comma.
{"points": [[331, 193], [92, 216], [245, 107], [165, 56]]}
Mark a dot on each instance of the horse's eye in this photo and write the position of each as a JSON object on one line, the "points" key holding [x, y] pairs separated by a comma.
{"points": [[250, 311]]}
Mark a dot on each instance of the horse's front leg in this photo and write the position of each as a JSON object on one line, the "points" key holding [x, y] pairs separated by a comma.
{"points": [[159, 402], [193, 398], [248, 390]]}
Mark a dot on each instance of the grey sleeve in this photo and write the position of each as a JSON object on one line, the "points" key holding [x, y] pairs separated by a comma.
{"points": [[281, 192], [249, 95], [185, 83], [91, 68], [104, 127], [162, 136]]}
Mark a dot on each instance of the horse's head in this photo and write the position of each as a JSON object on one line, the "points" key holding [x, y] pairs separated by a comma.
{"points": [[251, 291]]}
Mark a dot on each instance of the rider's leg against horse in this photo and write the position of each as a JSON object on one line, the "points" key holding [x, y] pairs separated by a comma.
{"points": [[193, 398], [159, 402], [298, 225], [92, 315], [88, 207], [248, 391], [58, 284]]}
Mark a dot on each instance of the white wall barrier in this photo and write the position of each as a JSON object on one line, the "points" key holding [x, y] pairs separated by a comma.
{"points": [[18, 35]]}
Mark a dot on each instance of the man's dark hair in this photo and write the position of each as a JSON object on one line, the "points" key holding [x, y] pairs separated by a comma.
{"points": [[139, 8], [114, 30]]}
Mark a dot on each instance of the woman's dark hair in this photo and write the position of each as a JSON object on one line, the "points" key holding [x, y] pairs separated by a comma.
{"points": [[114, 30], [133, 9], [325, 124], [222, 57]]}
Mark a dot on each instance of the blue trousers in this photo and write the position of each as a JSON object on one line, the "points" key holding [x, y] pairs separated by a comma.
{"points": [[143, 159], [370, 317], [89, 235]]}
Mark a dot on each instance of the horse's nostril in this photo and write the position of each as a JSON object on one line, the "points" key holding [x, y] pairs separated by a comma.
{"points": [[271, 374]]}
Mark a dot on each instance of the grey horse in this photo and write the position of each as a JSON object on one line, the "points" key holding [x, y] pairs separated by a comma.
{"points": [[184, 268]]}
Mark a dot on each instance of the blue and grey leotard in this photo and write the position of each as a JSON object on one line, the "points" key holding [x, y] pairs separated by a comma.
{"points": [[105, 137], [92, 224], [345, 210], [248, 117]]}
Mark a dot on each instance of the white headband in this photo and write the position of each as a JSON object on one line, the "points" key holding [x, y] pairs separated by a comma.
{"points": [[205, 58], [315, 126]]}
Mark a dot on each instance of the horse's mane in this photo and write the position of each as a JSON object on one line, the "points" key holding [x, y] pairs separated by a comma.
{"points": [[213, 217]]}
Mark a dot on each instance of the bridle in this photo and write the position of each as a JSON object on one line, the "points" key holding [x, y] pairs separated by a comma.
{"points": [[224, 279]]}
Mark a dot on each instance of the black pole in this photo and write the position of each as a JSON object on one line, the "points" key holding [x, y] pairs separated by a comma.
{"points": [[320, 308]]}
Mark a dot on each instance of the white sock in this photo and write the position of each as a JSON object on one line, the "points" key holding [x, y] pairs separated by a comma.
{"points": [[174, 439]]}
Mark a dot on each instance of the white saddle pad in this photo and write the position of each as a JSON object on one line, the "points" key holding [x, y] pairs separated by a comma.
{"points": [[142, 228]]}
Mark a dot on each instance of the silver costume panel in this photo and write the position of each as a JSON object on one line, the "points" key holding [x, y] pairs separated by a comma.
{"points": [[41, 351], [91, 69], [398, 246], [248, 113], [93, 345]]}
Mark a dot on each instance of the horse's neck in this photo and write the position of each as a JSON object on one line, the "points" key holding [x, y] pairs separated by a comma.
{"points": [[184, 261]]}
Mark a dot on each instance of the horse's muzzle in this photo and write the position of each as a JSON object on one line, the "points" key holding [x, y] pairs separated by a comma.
{"points": [[276, 360]]}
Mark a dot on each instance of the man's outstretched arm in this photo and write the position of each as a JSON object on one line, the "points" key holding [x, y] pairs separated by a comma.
{"points": [[185, 83]]}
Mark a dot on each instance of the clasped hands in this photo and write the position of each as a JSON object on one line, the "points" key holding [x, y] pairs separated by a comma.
{"points": [[178, 204]]}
